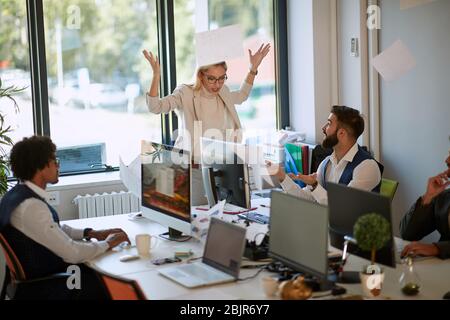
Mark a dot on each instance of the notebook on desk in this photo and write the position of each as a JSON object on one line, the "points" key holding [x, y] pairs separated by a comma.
{"points": [[221, 260]]}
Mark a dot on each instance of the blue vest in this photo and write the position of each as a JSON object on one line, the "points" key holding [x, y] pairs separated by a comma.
{"points": [[347, 175], [36, 260]]}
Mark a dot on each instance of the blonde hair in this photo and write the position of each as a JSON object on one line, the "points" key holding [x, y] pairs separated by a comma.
{"points": [[200, 70]]}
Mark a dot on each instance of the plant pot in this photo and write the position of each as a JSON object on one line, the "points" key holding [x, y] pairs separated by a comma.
{"points": [[372, 283]]}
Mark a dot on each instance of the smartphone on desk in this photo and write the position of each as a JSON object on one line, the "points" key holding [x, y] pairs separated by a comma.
{"points": [[161, 261]]}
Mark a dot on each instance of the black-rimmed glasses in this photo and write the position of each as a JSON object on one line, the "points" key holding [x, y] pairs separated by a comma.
{"points": [[213, 80]]}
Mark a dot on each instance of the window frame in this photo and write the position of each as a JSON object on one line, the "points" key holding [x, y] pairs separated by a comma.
{"points": [[166, 47]]}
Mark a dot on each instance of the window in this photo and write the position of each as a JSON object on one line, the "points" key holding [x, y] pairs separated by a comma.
{"points": [[97, 76], [255, 18], [15, 68]]}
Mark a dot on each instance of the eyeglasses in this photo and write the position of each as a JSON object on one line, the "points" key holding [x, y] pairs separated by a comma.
{"points": [[57, 162], [213, 80]]}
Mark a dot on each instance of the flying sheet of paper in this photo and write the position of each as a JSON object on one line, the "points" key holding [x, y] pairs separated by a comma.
{"points": [[408, 4], [219, 45], [131, 175], [394, 62]]}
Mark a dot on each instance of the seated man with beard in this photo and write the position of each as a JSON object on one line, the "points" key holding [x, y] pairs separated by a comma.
{"points": [[349, 164]]}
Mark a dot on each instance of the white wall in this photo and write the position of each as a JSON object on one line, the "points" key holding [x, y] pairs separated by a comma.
{"points": [[349, 67], [301, 67], [415, 110], [311, 72]]}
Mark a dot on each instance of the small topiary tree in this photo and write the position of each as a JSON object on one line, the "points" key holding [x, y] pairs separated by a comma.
{"points": [[372, 231]]}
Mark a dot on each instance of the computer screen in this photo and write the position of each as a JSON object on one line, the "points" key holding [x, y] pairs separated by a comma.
{"points": [[346, 205], [299, 234], [225, 175], [166, 187]]}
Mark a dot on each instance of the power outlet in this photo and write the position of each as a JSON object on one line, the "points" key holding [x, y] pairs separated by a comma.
{"points": [[53, 198]]}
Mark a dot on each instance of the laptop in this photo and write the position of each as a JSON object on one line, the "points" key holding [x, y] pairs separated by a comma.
{"points": [[221, 260]]}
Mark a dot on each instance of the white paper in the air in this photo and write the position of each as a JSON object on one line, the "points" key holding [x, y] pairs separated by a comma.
{"points": [[131, 175], [394, 62], [219, 45]]}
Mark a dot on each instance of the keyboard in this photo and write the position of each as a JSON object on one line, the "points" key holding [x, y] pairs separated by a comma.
{"points": [[201, 272], [255, 217]]}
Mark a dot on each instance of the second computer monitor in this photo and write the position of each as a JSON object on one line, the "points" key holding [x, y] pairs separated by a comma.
{"points": [[225, 175], [346, 205], [299, 234]]}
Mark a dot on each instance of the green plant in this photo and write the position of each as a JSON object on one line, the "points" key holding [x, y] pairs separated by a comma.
{"points": [[372, 231], [5, 139]]}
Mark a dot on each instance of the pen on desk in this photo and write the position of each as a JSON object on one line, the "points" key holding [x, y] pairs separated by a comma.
{"points": [[264, 206]]}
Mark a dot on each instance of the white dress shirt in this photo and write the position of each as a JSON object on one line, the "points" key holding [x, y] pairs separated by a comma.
{"points": [[34, 219], [366, 176]]}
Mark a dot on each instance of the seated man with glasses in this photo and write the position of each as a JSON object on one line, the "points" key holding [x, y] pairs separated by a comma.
{"points": [[208, 104], [32, 229]]}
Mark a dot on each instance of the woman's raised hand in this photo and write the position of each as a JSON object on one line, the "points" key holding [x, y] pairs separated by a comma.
{"points": [[258, 57], [153, 60]]}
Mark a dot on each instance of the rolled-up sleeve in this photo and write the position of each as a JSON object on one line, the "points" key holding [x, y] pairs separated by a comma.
{"points": [[242, 94], [167, 104]]}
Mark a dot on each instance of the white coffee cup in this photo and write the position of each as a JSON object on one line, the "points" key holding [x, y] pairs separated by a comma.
{"points": [[270, 286], [144, 244]]}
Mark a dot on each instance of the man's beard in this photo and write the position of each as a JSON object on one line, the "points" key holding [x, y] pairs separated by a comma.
{"points": [[330, 141]]}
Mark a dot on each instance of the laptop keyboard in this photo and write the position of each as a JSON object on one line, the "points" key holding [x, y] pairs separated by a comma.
{"points": [[201, 272]]}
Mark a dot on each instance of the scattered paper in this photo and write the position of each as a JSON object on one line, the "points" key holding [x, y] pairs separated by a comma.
{"points": [[131, 176], [256, 232], [408, 4], [219, 45], [394, 62], [201, 219]]}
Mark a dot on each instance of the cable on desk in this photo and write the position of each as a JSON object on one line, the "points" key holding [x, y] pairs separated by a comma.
{"points": [[253, 276]]}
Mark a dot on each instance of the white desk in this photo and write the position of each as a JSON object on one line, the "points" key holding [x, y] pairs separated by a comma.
{"points": [[434, 273]]}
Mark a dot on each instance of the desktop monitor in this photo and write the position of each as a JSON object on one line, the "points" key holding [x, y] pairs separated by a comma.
{"points": [[346, 205], [166, 187], [225, 175], [299, 234]]}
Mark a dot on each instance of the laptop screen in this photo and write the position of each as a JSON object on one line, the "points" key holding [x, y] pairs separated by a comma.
{"points": [[224, 246]]}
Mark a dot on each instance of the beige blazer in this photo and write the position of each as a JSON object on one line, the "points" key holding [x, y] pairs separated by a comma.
{"points": [[185, 102]]}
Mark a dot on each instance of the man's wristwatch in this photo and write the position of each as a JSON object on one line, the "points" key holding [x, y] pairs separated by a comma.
{"points": [[86, 232], [253, 72]]}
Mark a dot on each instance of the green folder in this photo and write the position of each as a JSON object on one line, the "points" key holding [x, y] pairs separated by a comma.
{"points": [[296, 153]]}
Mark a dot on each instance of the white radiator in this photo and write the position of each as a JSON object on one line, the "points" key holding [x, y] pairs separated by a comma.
{"points": [[106, 204]]}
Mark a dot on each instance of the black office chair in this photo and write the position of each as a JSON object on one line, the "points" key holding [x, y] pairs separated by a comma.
{"points": [[16, 286]]}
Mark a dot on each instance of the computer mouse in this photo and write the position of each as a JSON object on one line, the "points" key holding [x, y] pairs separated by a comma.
{"points": [[446, 296]]}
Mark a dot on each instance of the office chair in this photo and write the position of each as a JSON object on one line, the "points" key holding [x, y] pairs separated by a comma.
{"points": [[388, 188], [16, 284], [119, 288]]}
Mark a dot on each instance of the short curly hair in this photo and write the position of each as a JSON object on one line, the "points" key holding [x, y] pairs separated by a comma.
{"points": [[350, 119], [31, 155]]}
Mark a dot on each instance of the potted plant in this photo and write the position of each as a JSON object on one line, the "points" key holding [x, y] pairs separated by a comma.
{"points": [[5, 139], [372, 232]]}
